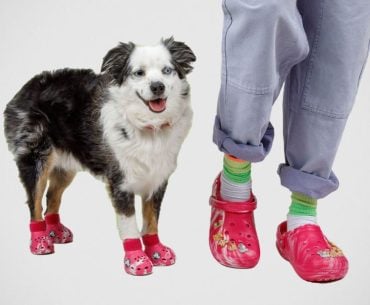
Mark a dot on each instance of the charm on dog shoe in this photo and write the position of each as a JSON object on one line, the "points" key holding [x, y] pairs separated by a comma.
{"points": [[59, 233], [136, 262], [232, 235], [159, 254]]}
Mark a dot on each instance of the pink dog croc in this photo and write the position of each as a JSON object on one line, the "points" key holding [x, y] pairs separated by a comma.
{"points": [[41, 243], [159, 254], [57, 231], [232, 235], [136, 262], [312, 256]]}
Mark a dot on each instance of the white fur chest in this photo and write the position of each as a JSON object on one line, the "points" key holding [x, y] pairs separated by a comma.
{"points": [[147, 157]]}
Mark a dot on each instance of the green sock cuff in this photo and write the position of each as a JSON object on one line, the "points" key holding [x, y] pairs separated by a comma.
{"points": [[302, 205], [304, 199], [237, 171]]}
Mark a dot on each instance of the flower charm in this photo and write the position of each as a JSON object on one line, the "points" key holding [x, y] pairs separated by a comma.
{"points": [[156, 255], [334, 251]]}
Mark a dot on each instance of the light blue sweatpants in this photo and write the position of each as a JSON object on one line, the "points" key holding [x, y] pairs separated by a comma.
{"points": [[319, 49]]}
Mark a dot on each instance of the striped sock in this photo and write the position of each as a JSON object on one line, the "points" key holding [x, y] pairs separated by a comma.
{"points": [[236, 181], [302, 211]]}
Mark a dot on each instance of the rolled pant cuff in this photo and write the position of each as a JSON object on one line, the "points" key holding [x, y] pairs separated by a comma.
{"points": [[247, 152], [309, 184]]}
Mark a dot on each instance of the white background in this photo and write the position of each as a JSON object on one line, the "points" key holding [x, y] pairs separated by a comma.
{"points": [[44, 35]]}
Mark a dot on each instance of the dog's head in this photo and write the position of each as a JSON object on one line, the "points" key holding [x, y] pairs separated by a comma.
{"points": [[149, 82]]}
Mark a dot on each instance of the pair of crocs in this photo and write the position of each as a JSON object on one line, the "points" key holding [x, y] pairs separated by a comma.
{"points": [[234, 243], [140, 262], [46, 233]]}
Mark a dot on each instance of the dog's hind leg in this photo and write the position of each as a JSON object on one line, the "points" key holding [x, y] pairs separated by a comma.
{"points": [[136, 262], [34, 168], [59, 180], [159, 254]]}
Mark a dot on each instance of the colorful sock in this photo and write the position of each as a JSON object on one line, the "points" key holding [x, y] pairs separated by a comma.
{"points": [[236, 181], [302, 211]]}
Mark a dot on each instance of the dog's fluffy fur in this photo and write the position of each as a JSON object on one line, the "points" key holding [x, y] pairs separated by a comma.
{"points": [[125, 125]]}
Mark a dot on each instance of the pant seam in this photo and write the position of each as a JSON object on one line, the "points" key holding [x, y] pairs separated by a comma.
{"points": [[314, 111], [312, 59], [225, 59], [251, 90]]}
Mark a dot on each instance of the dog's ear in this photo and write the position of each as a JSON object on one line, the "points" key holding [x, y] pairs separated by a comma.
{"points": [[116, 62], [182, 56]]}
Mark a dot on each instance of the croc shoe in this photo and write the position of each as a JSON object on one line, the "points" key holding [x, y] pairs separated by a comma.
{"points": [[233, 239], [159, 254], [59, 233], [312, 256], [136, 262], [40, 243]]}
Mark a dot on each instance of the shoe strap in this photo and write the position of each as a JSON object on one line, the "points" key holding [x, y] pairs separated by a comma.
{"points": [[234, 207], [228, 206]]}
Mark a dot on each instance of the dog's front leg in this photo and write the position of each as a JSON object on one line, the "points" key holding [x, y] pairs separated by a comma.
{"points": [[151, 210], [136, 262], [159, 254]]}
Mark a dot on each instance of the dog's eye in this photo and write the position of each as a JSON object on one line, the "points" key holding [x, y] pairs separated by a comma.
{"points": [[167, 70], [139, 73]]}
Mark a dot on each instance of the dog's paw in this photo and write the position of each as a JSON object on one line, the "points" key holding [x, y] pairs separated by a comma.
{"points": [[137, 263], [161, 255], [58, 232], [41, 243]]}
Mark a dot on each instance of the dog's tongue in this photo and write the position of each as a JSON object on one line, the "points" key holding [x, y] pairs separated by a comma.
{"points": [[158, 105]]}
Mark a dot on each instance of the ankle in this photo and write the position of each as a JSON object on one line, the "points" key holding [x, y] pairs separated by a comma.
{"points": [[150, 240], [52, 219], [37, 226], [132, 244]]}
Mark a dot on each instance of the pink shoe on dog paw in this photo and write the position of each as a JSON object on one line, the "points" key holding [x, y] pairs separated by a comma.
{"points": [[232, 235], [136, 262], [41, 243], [312, 256], [159, 254], [59, 233]]}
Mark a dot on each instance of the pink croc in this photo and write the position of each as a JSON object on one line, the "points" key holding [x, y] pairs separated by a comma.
{"points": [[159, 254], [232, 235], [57, 231], [312, 256], [41, 243], [136, 262]]}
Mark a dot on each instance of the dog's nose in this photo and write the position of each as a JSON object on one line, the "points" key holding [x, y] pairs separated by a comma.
{"points": [[157, 88]]}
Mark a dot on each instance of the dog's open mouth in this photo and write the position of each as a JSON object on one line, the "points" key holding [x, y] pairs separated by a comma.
{"points": [[158, 105]]}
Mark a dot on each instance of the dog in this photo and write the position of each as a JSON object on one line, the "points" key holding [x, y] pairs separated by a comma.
{"points": [[124, 125]]}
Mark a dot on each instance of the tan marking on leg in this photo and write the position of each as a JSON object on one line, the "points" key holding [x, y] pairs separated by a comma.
{"points": [[150, 221], [40, 188], [59, 181]]}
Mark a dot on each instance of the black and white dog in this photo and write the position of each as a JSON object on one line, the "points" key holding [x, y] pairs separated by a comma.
{"points": [[125, 125]]}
